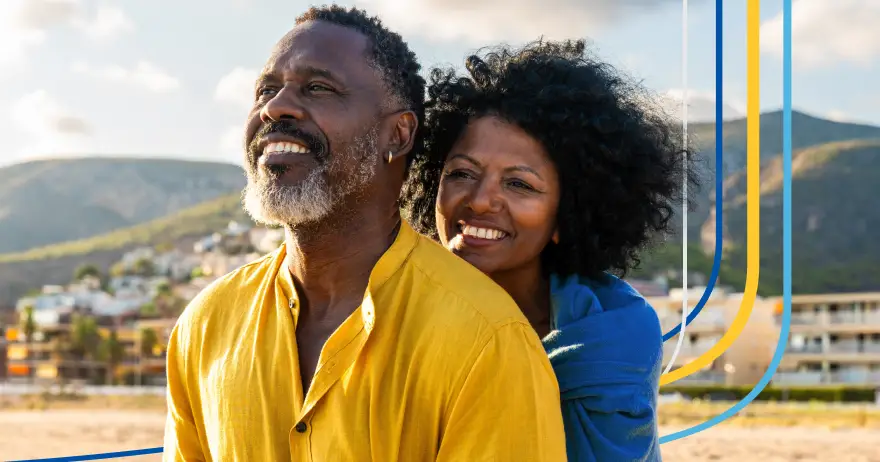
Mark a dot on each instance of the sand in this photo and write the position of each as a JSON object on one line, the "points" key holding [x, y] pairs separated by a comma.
{"points": [[55, 433]]}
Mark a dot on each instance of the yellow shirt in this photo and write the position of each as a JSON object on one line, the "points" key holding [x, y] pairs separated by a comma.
{"points": [[437, 364]]}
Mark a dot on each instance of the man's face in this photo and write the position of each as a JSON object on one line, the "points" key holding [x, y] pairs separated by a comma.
{"points": [[313, 133]]}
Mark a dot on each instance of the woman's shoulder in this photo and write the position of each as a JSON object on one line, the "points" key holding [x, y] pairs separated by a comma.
{"points": [[614, 305]]}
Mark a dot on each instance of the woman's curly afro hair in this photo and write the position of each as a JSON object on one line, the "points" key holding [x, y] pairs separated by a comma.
{"points": [[621, 161]]}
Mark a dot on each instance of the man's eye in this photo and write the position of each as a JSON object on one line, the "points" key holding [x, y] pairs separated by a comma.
{"points": [[318, 87], [265, 91]]}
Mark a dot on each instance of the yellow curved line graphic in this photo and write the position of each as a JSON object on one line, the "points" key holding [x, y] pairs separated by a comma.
{"points": [[753, 201]]}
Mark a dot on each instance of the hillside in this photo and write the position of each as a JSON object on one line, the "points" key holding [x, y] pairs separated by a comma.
{"points": [[836, 170], [54, 264], [807, 131], [834, 219], [51, 201]]}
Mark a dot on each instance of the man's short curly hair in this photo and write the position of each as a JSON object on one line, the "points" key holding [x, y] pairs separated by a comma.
{"points": [[620, 160], [388, 52]]}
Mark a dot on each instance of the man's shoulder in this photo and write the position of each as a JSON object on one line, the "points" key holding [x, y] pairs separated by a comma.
{"points": [[457, 284]]}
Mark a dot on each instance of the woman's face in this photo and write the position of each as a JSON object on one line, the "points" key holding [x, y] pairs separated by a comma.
{"points": [[498, 197]]}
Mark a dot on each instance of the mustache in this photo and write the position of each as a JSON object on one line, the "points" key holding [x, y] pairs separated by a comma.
{"points": [[314, 143]]}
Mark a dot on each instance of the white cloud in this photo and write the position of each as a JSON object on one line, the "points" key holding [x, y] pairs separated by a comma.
{"points": [[52, 129], [484, 21], [44, 14], [237, 87], [24, 24], [144, 74], [108, 22], [231, 144], [826, 32], [701, 105]]}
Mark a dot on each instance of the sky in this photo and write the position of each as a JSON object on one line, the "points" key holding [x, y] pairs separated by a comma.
{"points": [[174, 78]]}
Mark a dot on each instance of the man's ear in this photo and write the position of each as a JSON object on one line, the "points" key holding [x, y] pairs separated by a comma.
{"points": [[555, 237], [403, 135]]}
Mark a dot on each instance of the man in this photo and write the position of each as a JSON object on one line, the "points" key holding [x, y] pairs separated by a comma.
{"points": [[358, 339]]}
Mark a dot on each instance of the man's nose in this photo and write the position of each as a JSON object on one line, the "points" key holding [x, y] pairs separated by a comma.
{"points": [[284, 105], [485, 198]]}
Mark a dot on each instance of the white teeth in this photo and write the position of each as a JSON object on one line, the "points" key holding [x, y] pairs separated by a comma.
{"points": [[482, 233], [285, 147]]}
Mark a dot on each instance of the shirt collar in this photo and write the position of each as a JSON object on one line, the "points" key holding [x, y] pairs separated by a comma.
{"points": [[389, 263]]}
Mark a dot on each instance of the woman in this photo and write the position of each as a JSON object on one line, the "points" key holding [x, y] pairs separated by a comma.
{"points": [[545, 170]]}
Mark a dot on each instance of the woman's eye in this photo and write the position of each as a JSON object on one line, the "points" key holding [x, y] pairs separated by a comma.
{"points": [[519, 184], [458, 174]]}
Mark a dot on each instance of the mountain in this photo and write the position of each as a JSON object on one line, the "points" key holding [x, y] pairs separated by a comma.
{"points": [[50, 201], [836, 170], [54, 264], [834, 219], [807, 131]]}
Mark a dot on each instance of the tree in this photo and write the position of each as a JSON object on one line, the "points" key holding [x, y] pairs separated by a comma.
{"points": [[166, 303], [85, 340], [149, 310], [163, 288], [149, 341], [28, 328], [111, 352], [144, 267], [86, 270]]}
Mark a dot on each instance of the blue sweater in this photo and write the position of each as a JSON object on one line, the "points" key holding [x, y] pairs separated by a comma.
{"points": [[606, 349]]}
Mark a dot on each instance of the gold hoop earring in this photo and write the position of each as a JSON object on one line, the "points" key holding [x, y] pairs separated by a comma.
{"points": [[390, 156]]}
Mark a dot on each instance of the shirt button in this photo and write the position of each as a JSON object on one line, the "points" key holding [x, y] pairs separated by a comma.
{"points": [[301, 427]]}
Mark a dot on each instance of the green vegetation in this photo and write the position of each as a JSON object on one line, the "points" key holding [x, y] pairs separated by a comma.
{"points": [[86, 270], [837, 394], [111, 352], [28, 328], [149, 342], [201, 219]]}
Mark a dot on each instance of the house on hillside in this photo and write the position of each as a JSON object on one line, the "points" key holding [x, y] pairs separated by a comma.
{"points": [[219, 264], [124, 286], [86, 284], [235, 228], [189, 290], [176, 265], [130, 259], [207, 243], [266, 240]]}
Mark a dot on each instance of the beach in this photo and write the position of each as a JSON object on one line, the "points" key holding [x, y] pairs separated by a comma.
{"points": [[35, 433]]}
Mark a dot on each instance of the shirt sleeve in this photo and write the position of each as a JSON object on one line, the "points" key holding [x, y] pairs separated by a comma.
{"points": [[181, 434], [508, 407]]}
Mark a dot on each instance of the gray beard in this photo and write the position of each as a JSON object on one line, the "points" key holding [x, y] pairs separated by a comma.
{"points": [[315, 197]]}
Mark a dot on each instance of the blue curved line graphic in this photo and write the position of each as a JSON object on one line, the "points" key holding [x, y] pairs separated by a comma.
{"points": [[105, 455], [719, 175], [786, 240]]}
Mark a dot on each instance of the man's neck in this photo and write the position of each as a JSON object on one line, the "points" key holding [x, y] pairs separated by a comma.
{"points": [[331, 261]]}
